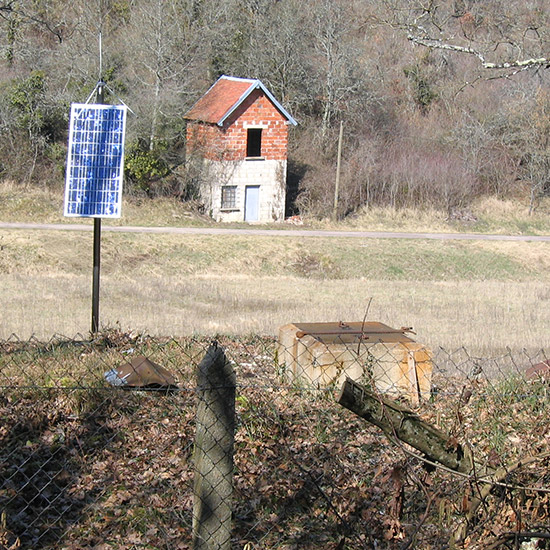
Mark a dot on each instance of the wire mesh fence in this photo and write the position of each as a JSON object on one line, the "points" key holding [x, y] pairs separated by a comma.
{"points": [[98, 451]]}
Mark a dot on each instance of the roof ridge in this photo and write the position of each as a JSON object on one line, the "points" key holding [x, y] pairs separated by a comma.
{"points": [[238, 78], [251, 84]]}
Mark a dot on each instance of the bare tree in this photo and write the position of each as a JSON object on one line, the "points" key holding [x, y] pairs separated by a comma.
{"points": [[527, 132], [337, 60], [507, 38], [164, 44]]}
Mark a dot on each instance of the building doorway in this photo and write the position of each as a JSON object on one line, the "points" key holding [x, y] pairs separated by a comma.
{"points": [[252, 203]]}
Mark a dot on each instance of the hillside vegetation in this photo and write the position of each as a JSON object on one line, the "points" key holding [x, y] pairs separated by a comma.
{"points": [[441, 103], [439, 135], [28, 203]]}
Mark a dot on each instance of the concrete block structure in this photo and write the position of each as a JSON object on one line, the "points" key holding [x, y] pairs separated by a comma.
{"points": [[240, 131], [325, 354]]}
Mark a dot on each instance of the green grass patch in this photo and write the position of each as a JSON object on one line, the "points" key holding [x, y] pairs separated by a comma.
{"points": [[128, 254]]}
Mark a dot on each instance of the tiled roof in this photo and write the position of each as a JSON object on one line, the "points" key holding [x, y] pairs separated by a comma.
{"points": [[224, 96]]}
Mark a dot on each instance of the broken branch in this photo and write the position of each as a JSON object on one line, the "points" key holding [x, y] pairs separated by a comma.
{"points": [[399, 422]]}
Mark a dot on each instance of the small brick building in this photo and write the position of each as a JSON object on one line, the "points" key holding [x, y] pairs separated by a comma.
{"points": [[241, 132]]}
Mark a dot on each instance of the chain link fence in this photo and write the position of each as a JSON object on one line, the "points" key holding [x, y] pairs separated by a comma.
{"points": [[96, 452]]}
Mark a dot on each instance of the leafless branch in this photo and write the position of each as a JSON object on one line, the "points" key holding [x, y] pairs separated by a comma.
{"points": [[518, 65], [519, 536], [9, 9]]}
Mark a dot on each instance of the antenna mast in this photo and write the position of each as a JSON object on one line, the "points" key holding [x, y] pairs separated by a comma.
{"points": [[100, 58]]}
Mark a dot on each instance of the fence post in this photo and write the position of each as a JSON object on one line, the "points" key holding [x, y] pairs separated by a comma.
{"points": [[213, 455]]}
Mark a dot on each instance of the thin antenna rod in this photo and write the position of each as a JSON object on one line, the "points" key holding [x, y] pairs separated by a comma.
{"points": [[100, 57], [363, 327]]}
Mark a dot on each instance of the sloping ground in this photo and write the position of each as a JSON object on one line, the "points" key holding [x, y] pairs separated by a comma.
{"points": [[84, 465]]}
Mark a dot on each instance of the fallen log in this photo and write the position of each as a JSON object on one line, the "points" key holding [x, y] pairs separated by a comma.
{"points": [[400, 423]]}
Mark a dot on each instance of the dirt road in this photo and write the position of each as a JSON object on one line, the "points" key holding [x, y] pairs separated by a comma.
{"points": [[275, 232]]}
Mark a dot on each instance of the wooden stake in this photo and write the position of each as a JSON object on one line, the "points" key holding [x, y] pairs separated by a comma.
{"points": [[213, 457]]}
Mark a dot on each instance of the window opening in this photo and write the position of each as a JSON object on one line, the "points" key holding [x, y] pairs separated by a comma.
{"points": [[254, 142], [229, 196]]}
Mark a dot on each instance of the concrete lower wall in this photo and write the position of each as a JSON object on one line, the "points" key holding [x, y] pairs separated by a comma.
{"points": [[397, 369], [268, 175]]}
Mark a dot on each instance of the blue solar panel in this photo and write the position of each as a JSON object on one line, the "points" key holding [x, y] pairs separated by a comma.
{"points": [[95, 162]]}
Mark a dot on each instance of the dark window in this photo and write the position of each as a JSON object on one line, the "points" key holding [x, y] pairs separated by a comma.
{"points": [[229, 196], [254, 142]]}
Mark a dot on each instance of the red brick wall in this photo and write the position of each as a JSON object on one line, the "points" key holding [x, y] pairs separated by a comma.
{"points": [[205, 139], [229, 142]]}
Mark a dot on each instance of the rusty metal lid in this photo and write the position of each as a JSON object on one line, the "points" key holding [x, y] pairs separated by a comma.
{"points": [[340, 332], [540, 371], [141, 372]]}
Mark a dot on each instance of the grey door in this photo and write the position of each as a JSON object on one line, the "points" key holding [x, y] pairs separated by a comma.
{"points": [[252, 203]]}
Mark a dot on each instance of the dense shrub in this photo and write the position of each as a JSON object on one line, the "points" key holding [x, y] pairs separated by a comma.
{"points": [[144, 168]]}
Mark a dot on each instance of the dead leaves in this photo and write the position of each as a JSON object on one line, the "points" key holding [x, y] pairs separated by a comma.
{"points": [[307, 474], [8, 541]]}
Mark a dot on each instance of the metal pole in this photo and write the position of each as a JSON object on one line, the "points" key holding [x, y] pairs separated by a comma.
{"points": [[338, 163], [95, 284], [97, 245]]}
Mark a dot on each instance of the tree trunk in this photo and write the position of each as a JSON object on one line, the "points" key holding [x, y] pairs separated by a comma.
{"points": [[398, 422]]}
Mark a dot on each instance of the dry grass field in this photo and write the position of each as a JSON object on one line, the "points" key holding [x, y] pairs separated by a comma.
{"points": [[484, 296]]}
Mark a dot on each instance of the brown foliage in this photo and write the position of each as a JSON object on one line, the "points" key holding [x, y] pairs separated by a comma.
{"points": [[87, 466], [424, 126]]}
